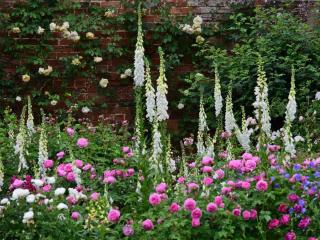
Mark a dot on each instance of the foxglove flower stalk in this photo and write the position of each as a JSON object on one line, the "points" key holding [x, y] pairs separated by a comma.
{"points": [[292, 104], [243, 135], [162, 90], [288, 140], [150, 95], [43, 149], [230, 121], [156, 149], [261, 104], [30, 122], [139, 120], [20, 146], [217, 93], [139, 55], [202, 129]]}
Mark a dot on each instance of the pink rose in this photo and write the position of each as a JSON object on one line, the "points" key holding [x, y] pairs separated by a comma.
{"points": [[94, 196], [82, 142], [196, 213], [246, 215], [290, 236], [60, 155], [48, 163], [78, 163], [174, 207], [161, 188], [47, 188], [114, 215], [253, 214], [70, 131], [262, 185], [75, 215], [195, 222], [236, 212], [189, 204], [71, 177], [207, 181], [207, 160], [154, 199], [285, 219], [212, 207], [273, 223], [147, 225]]}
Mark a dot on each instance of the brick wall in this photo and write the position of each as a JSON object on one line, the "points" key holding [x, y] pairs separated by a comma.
{"points": [[120, 106]]}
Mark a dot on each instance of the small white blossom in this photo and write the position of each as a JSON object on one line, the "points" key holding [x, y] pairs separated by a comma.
{"points": [[317, 97], [104, 82], [180, 106], [27, 216], [61, 206], [53, 102], [37, 182], [30, 198], [85, 110], [59, 191], [4, 201], [19, 193], [18, 99], [40, 30]]}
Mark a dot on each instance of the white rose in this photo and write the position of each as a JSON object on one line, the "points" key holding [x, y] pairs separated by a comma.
{"points": [[53, 27], [62, 206], [103, 82], [180, 105], [37, 182], [59, 191], [40, 30], [18, 99], [19, 193], [28, 216], [54, 102], [31, 198], [97, 59], [51, 180], [85, 110], [317, 97], [128, 72], [65, 25], [4, 201]]}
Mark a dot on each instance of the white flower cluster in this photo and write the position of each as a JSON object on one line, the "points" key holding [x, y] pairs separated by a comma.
{"points": [[150, 95], [156, 149], [28, 216], [127, 73], [64, 28], [217, 93], [103, 82], [292, 104], [261, 104], [30, 122], [19, 193], [195, 28], [230, 121], [76, 195], [40, 30], [45, 72], [138, 75], [202, 129], [317, 97], [21, 140], [162, 90], [289, 141], [43, 150]]}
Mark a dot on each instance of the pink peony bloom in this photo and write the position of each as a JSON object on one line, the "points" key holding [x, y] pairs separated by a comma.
{"points": [[192, 165], [71, 200], [114, 215], [161, 188], [283, 208], [212, 207], [290, 236], [253, 214], [87, 167], [70, 131], [225, 190], [48, 163], [189, 204], [304, 222], [47, 188], [246, 215], [196, 213], [246, 156], [109, 180], [236, 212], [130, 172], [192, 186], [147, 225], [174, 207], [195, 222], [60, 155], [181, 180], [68, 167], [17, 183], [125, 149], [75, 215], [273, 223], [218, 200], [82, 142], [245, 185], [207, 160], [235, 164], [71, 177], [219, 173], [293, 197], [154, 199], [79, 163], [128, 230], [207, 181], [207, 169], [285, 219], [262, 185], [94, 196]]}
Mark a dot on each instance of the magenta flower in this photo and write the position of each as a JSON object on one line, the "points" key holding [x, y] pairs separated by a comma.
{"points": [[236, 212], [195, 222], [196, 213], [246, 215], [290, 236], [79, 163], [175, 207], [273, 223], [207, 181], [161, 188], [70, 131], [71, 177], [82, 142], [94, 196], [48, 163], [47, 188], [206, 160], [147, 225], [189, 204], [262, 185], [128, 230], [125, 149], [212, 207], [60, 155], [114, 215], [154, 199], [304, 222], [253, 214], [75, 215], [285, 219]]}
